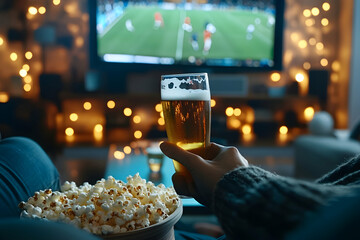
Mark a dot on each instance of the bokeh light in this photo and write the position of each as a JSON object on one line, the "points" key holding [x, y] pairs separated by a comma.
{"points": [[158, 107], [73, 117], [69, 131], [127, 112], [138, 134], [110, 104], [229, 111], [136, 119], [237, 112], [127, 149], [28, 55], [275, 77], [326, 6], [13, 56], [309, 113], [283, 130], [87, 105], [32, 10]]}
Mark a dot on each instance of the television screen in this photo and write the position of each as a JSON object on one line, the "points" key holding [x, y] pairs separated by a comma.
{"points": [[233, 33]]}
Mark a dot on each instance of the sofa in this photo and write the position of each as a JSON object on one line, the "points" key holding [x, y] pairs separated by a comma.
{"points": [[324, 148]]}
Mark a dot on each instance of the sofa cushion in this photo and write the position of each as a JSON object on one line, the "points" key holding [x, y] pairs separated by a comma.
{"points": [[317, 155], [355, 133]]}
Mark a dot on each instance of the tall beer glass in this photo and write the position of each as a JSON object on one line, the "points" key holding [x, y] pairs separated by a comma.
{"points": [[186, 105]]}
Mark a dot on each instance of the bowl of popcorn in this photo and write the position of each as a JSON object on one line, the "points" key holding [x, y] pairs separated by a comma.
{"points": [[111, 209]]}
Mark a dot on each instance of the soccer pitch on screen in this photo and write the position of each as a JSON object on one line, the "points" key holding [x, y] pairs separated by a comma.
{"points": [[233, 37]]}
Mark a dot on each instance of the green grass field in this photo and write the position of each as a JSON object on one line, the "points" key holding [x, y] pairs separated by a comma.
{"points": [[229, 40]]}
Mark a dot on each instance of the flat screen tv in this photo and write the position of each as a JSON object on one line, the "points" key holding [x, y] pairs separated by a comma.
{"points": [[214, 35]]}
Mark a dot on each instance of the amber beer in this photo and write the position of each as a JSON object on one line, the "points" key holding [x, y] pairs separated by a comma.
{"points": [[187, 125], [186, 107]]}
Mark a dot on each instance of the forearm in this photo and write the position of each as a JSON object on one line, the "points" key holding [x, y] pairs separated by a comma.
{"points": [[256, 204]]}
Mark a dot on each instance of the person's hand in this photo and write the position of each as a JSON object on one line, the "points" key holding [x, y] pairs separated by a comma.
{"points": [[205, 172]]}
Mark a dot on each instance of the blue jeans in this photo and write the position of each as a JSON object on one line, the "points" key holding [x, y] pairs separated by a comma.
{"points": [[24, 169]]}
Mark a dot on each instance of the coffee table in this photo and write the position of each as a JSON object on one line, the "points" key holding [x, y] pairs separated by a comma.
{"points": [[137, 163]]}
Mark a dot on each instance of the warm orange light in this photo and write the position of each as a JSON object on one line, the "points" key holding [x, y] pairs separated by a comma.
{"points": [[324, 22], [319, 46], [32, 10], [56, 2], [309, 22], [98, 132], [87, 105], [315, 11], [299, 77], [22, 72], [229, 111], [275, 77], [309, 113], [27, 87], [237, 112], [13, 56], [4, 97], [161, 121], [324, 62], [119, 155], [127, 112], [283, 130], [42, 10], [312, 41], [302, 44], [158, 107], [79, 41], [335, 66], [73, 117], [28, 55], [212, 103], [307, 65], [1, 41], [127, 149], [162, 114], [110, 104], [326, 6], [69, 131], [334, 77], [27, 79], [246, 129], [138, 134], [136, 119], [307, 13], [26, 67], [294, 36], [235, 123], [98, 128]]}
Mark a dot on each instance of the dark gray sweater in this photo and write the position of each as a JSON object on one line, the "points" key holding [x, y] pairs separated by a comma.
{"points": [[252, 203]]}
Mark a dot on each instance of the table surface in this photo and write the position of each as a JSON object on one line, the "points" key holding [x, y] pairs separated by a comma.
{"points": [[137, 163]]}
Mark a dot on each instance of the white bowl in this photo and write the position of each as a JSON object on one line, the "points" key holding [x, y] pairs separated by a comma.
{"points": [[160, 231]]}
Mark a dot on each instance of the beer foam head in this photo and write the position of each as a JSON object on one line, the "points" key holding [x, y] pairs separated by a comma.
{"points": [[185, 88]]}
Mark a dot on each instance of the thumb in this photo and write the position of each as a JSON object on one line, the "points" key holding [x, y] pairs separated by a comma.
{"points": [[186, 158]]}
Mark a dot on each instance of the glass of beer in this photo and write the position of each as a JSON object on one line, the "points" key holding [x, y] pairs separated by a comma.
{"points": [[186, 106]]}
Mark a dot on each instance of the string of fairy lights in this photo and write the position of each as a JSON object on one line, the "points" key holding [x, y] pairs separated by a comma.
{"points": [[238, 117]]}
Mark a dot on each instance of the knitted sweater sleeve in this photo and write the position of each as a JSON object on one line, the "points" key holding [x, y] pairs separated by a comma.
{"points": [[346, 174], [252, 203]]}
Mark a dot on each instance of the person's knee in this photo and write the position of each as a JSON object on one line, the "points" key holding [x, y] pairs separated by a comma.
{"points": [[23, 142], [26, 157]]}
